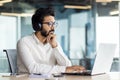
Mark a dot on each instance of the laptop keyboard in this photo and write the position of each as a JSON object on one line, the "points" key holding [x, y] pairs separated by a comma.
{"points": [[87, 72]]}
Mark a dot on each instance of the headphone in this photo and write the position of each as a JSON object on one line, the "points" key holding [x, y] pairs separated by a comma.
{"points": [[40, 26]]}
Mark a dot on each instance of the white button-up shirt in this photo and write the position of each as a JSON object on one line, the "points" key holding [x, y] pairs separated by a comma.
{"points": [[35, 57]]}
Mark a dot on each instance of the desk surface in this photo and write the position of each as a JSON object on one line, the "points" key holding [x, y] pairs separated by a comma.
{"points": [[109, 76]]}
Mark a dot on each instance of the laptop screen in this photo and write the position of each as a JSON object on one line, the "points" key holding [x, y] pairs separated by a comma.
{"points": [[104, 58]]}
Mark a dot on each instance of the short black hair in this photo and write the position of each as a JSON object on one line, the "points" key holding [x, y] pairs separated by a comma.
{"points": [[39, 15]]}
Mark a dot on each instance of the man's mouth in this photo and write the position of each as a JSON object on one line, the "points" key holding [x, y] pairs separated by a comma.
{"points": [[51, 32]]}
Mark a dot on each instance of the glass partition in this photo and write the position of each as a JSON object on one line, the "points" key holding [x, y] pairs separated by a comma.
{"points": [[8, 39], [107, 27]]}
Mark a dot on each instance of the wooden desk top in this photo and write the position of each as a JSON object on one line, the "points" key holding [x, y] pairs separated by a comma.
{"points": [[110, 76]]}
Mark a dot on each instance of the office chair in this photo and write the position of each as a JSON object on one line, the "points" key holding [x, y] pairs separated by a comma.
{"points": [[12, 60]]}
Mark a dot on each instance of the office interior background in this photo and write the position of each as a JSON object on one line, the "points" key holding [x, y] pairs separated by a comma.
{"points": [[82, 26]]}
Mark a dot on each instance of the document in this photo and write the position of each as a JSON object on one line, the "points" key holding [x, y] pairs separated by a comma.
{"points": [[5, 74], [40, 75]]}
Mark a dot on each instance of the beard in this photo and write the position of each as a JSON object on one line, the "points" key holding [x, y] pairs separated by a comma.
{"points": [[44, 33]]}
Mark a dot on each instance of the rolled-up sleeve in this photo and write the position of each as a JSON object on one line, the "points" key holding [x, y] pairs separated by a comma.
{"points": [[60, 56]]}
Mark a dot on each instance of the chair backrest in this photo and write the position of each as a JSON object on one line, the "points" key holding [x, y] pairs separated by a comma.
{"points": [[12, 59]]}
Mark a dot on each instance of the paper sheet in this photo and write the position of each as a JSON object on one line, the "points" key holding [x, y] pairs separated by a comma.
{"points": [[40, 75]]}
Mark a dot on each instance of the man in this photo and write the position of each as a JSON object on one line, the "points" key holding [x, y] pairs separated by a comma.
{"points": [[40, 52]]}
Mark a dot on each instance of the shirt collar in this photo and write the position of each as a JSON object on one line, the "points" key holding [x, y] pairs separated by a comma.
{"points": [[36, 39]]}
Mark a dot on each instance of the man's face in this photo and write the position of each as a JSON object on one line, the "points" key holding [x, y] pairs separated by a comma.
{"points": [[47, 26]]}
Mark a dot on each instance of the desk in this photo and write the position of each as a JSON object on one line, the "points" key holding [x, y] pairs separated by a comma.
{"points": [[109, 76]]}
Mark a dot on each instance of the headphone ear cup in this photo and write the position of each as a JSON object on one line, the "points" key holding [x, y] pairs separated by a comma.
{"points": [[39, 26]]}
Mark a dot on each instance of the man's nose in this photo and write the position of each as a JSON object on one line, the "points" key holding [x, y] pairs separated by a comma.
{"points": [[52, 27]]}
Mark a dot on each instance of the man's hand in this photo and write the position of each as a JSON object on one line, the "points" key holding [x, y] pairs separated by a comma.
{"points": [[52, 40], [75, 69]]}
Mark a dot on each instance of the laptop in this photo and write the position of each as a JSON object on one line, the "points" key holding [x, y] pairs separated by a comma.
{"points": [[102, 63]]}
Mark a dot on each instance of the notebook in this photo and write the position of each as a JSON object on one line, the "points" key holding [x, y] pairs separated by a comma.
{"points": [[103, 61]]}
